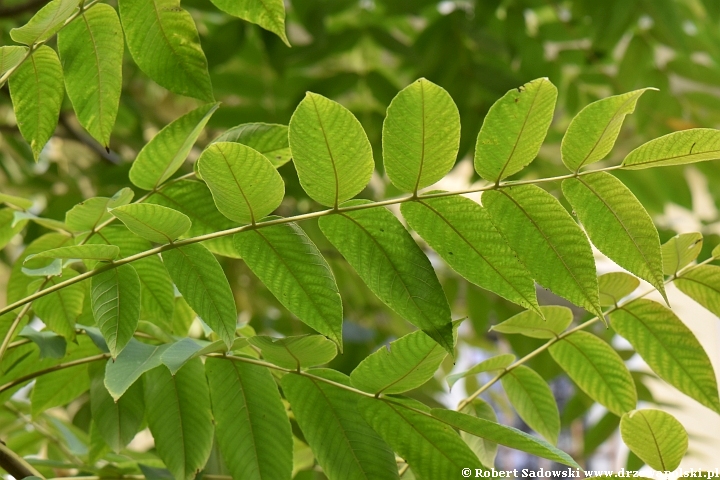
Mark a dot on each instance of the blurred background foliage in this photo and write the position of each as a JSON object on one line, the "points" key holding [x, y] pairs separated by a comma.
{"points": [[361, 53]]}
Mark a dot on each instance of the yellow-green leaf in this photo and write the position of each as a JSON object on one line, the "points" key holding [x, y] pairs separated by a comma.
{"points": [[656, 437], [269, 14], [153, 222], [702, 284], [45, 23], [678, 148], [680, 250], [534, 401], [530, 324], [615, 286]]}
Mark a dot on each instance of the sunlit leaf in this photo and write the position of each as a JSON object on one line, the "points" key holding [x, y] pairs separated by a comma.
{"points": [[514, 129], [269, 14], [592, 133], [10, 57], [267, 138], [615, 286], [669, 348], [678, 148], [153, 222], [656, 437], [548, 241], [330, 149], [533, 400], [461, 231], [166, 152], [702, 284], [90, 213], [557, 320], [45, 23], [421, 136], [499, 362], [680, 250]]}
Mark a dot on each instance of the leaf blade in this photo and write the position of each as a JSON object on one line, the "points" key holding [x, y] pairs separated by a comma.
{"points": [[269, 14], [153, 222], [656, 437], [116, 305], [678, 148], [533, 400]]}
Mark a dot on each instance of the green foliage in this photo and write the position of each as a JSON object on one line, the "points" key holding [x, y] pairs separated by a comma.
{"points": [[656, 437], [421, 135], [190, 307]]}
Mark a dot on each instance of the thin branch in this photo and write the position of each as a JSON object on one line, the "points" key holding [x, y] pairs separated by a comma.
{"points": [[15, 465], [54, 368], [278, 221]]}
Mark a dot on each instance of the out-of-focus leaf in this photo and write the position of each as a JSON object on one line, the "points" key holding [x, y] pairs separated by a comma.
{"points": [[615, 286], [499, 362], [702, 284], [680, 250], [90, 213]]}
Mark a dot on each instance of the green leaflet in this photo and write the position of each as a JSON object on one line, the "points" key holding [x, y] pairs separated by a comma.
{"points": [[90, 213], [302, 351], [45, 23], [116, 305], [195, 200], [461, 231], [117, 422], [91, 49], [50, 344], [10, 57], [680, 250], [12, 199], [592, 133], [420, 136], [504, 435], [58, 388], [161, 157], [345, 446], [90, 252], [678, 148], [596, 368], [389, 261], [135, 359], [153, 222], [656, 437], [269, 14], [485, 449], [429, 446], [267, 138], [330, 149], [293, 269], [201, 281], [557, 320], [37, 91], [533, 400], [702, 284], [405, 364], [514, 129], [615, 286], [180, 418], [48, 223], [175, 61], [617, 224], [252, 428], [244, 184], [60, 309], [548, 241], [499, 362], [669, 348], [157, 296]]}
